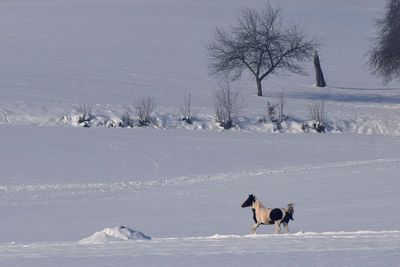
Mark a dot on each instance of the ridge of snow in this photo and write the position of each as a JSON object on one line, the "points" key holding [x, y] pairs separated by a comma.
{"points": [[119, 233]]}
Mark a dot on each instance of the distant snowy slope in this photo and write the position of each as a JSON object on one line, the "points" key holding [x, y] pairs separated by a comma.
{"points": [[58, 54], [114, 52]]}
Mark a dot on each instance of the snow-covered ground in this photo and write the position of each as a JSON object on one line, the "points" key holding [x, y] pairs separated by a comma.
{"points": [[184, 189], [301, 249], [66, 192]]}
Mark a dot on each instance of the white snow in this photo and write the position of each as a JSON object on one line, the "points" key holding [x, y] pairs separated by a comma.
{"points": [[182, 185], [305, 249], [114, 234]]}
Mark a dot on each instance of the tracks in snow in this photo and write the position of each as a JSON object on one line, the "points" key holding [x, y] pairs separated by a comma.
{"points": [[87, 188]]}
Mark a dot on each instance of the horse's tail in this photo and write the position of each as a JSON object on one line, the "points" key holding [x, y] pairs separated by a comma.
{"points": [[290, 210]]}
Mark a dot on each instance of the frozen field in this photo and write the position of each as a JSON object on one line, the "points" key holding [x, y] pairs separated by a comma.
{"points": [[184, 189], [60, 186]]}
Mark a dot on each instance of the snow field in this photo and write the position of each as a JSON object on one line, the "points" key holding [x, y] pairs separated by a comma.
{"points": [[196, 218], [258, 246]]}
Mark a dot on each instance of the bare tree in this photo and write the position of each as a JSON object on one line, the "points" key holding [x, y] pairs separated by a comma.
{"points": [[384, 58], [261, 44], [227, 105], [144, 109]]}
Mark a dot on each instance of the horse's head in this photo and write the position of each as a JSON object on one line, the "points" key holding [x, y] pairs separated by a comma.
{"points": [[249, 201]]}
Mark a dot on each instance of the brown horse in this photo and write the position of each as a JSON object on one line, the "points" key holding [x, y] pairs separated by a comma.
{"points": [[263, 215]]}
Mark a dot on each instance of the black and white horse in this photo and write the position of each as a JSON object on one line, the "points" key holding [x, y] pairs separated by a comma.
{"points": [[263, 215]]}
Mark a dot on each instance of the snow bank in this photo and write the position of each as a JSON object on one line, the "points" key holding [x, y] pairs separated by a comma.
{"points": [[114, 234], [360, 118]]}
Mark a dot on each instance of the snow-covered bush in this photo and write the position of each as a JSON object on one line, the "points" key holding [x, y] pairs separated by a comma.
{"points": [[227, 105], [126, 119], [317, 117], [144, 110], [85, 114], [275, 112]]}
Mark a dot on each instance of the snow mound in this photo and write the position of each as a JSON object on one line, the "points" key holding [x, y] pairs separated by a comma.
{"points": [[114, 234]]}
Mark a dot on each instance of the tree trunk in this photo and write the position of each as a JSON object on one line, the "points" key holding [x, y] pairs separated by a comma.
{"points": [[318, 71], [259, 87]]}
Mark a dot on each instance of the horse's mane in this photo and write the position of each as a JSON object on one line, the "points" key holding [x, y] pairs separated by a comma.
{"points": [[290, 208]]}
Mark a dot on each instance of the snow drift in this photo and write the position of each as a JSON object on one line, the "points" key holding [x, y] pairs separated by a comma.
{"points": [[114, 234]]}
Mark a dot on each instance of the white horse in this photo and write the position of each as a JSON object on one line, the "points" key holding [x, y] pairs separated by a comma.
{"points": [[263, 215]]}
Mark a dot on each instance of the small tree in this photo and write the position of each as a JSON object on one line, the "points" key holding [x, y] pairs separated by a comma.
{"points": [[144, 109], [384, 58], [271, 111], [227, 105], [275, 112], [261, 44]]}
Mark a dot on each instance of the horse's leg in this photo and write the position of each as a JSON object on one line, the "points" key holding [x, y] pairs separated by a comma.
{"points": [[277, 227], [286, 225], [254, 228]]}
